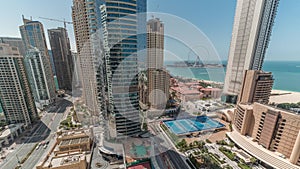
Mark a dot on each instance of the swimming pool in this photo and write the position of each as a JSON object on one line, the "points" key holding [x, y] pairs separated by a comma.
{"points": [[183, 126]]}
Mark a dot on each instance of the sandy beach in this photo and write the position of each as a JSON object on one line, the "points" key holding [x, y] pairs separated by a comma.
{"points": [[281, 96]]}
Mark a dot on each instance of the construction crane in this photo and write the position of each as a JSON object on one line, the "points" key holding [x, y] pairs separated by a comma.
{"points": [[57, 20]]}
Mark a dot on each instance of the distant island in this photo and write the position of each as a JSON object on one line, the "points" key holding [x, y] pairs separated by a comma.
{"points": [[196, 64]]}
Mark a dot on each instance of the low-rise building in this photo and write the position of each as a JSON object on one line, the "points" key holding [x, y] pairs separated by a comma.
{"points": [[10, 133], [186, 93], [210, 92], [71, 150], [191, 91]]}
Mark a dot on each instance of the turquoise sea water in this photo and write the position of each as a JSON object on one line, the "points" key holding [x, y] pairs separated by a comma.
{"points": [[285, 73]]}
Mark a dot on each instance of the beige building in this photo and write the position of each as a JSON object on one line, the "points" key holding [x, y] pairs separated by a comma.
{"points": [[251, 32], [158, 77], [71, 150], [15, 93], [275, 129], [84, 53], [256, 87]]}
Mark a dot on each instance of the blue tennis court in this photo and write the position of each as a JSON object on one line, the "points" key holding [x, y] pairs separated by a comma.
{"points": [[183, 126]]}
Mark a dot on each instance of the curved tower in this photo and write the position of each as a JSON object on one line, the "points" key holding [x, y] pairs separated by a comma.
{"points": [[119, 26]]}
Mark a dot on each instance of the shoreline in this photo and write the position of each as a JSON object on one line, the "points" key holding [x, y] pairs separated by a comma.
{"points": [[284, 96]]}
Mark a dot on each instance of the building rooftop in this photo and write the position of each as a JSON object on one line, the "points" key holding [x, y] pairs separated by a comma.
{"points": [[246, 106], [144, 165], [66, 160], [63, 152], [74, 141], [186, 90]]}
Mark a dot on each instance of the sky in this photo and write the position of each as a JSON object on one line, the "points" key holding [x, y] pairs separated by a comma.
{"points": [[213, 17]]}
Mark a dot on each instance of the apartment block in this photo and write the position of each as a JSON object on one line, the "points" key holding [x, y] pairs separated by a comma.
{"points": [[252, 27], [62, 57], [84, 21], [256, 87], [15, 93], [275, 129], [158, 77]]}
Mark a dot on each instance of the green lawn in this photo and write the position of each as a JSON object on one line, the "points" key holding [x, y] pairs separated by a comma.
{"points": [[227, 152], [244, 166]]}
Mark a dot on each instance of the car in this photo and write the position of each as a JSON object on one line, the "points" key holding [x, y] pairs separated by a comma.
{"points": [[45, 146], [37, 147]]}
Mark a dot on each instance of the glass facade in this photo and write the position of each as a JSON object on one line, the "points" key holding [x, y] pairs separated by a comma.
{"points": [[38, 63], [119, 25]]}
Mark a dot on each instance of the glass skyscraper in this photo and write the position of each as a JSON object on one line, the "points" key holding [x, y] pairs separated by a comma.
{"points": [[38, 66], [142, 32], [119, 27], [107, 42], [62, 57]]}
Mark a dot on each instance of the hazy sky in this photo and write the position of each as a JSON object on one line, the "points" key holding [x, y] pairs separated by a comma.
{"points": [[213, 17]]}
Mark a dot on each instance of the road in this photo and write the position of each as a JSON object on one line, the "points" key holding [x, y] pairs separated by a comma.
{"points": [[42, 131], [166, 155]]}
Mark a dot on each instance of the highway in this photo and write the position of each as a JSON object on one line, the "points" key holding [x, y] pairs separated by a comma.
{"points": [[42, 131]]}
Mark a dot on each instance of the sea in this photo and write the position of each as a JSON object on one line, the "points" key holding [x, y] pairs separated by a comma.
{"points": [[286, 74]]}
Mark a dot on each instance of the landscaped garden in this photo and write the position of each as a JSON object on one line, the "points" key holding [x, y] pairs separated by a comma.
{"points": [[227, 152]]}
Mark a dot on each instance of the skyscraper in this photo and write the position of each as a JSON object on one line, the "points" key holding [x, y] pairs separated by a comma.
{"points": [[251, 33], [256, 87], [83, 28], [119, 26], [15, 94], [158, 77], [106, 39], [35, 68], [52, 62], [142, 32], [62, 57], [37, 61], [16, 42]]}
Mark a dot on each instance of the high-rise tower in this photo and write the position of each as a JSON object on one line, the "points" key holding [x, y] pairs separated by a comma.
{"points": [[251, 33], [62, 57], [142, 32], [39, 70], [15, 94], [119, 26], [84, 19], [158, 77]]}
